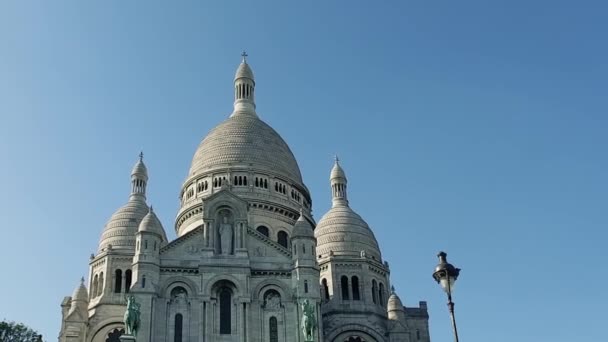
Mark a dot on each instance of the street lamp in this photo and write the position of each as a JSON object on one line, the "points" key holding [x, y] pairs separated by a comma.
{"points": [[446, 274]]}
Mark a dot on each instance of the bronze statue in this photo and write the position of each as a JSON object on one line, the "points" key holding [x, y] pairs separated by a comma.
{"points": [[309, 323], [131, 318]]}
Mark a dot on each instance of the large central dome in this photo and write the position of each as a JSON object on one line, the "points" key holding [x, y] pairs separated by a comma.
{"points": [[245, 140]]}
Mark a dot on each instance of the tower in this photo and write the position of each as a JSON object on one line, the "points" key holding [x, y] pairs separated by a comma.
{"points": [[353, 277]]}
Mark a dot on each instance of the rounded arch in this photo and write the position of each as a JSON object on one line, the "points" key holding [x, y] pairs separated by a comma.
{"points": [[344, 332], [222, 279], [101, 329], [238, 210], [264, 230], [270, 284], [169, 284]]}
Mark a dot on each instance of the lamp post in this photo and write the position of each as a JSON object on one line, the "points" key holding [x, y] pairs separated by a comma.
{"points": [[446, 274]]}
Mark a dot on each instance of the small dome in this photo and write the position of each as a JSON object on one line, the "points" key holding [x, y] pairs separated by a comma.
{"points": [[122, 226], [244, 71], [344, 232], [302, 228], [80, 293], [337, 171], [394, 303], [139, 169], [151, 224]]}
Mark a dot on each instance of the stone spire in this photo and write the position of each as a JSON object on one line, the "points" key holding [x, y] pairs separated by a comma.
{"points": [[244, 89], [139, 179], [338, 182]]}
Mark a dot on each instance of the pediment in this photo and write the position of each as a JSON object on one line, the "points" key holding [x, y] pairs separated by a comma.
{"points": [[185, 247], [262, 249]]}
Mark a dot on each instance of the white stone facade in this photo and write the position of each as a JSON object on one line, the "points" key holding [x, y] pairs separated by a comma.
{"points": [[248, 253]]}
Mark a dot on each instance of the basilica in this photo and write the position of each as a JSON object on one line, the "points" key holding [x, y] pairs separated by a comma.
{"points": [[248, 259]]}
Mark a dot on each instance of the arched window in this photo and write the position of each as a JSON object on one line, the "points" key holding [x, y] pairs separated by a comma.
{"points": [[225, 311], [355, 286], [417, 334], [374, 292], [325, 289], [344, 285], [236, 180], [127, 280], [118, 281], [273, 329], [305, 286], [100, 288], [143, 282], [95, 285], [381, 295], [245, 180], [257, 184], [265, 184], [354, 339], [282, 239], [177, 334], [264, 230], [303, 249]]}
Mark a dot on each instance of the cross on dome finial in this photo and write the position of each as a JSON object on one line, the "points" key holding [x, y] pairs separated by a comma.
{"points": [[141, 155], [336, 158], [82, 280], [244, 55], [151, 209]]}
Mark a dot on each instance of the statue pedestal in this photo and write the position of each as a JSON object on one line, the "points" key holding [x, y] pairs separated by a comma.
{"points": [[127, 338]]}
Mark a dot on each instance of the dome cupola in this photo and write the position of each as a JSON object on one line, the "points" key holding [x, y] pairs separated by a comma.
{"points": [[341, 231], [80, 298], [119, 231], [302, 228], [395, 307], [244, 89], [151, 224]]}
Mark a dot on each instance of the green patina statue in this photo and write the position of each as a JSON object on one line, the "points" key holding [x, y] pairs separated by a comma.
{"points": [[309, 323], [132, 316]]}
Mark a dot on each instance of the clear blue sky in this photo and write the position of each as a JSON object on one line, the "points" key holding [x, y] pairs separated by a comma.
{"points": [[474, 127]]}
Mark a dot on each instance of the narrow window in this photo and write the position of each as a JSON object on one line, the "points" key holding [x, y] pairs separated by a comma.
{"points": [[276, 187], [256, 182], [374, 292], [154, 245], [236, 180], [143, 282], [225, 313], [145, 244], [264, 230], [100, 288], [303, 249], [118, 281], [344, 283], [325, 289], [177, 336], [418, 334], [265, 184], [355, 286], [95, 285], [381, 294], [305, 286], [245, 180], [127, 280], [282, 238], [273, 330]]}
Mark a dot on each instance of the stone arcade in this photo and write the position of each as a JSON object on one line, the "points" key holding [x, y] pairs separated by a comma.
{"points": [[248, 257]]}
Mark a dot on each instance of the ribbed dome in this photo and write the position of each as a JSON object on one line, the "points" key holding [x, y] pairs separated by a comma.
{"points": [[243, 71], [122, 226], [151, 224], [344, 232], [140, 170], [245, 140], [337, 172], [302, 228]]}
